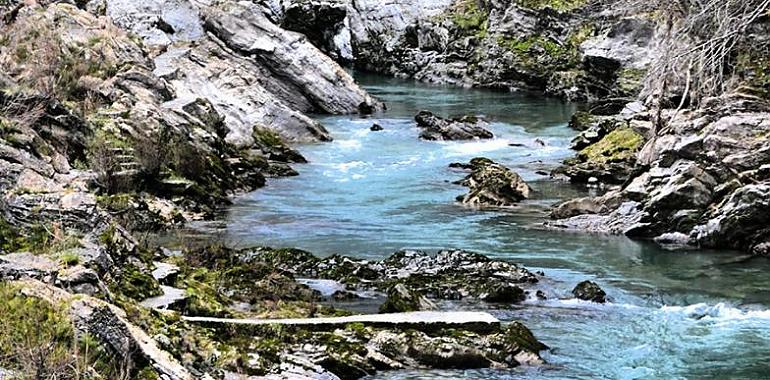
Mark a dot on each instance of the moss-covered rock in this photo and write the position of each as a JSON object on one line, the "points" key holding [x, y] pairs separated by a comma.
{"points": [[492, 184], [611, 159], [471, 17], [559, 5], [137, 284], [402, 299]]}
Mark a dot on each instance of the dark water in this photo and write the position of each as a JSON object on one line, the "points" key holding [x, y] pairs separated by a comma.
{"points": [[673, 315]]}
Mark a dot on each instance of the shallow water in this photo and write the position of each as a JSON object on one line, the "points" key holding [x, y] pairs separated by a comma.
{"points": [[367, 194]]}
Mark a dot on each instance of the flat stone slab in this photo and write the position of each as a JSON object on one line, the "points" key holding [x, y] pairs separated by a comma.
{"points": [[169, 297], [163, 270], [480, 322]]}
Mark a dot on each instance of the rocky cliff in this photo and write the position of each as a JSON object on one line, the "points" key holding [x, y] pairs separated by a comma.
{"points": [[573, 49], [119, 118], [687, 165], [675, 131]]}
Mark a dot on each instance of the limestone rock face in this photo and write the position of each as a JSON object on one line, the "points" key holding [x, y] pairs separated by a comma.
{"points": [[437, 128], [235, 56], [491, 184], [565, 50], [701, 183]]}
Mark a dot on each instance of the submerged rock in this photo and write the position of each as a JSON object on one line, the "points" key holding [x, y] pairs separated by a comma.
{"points": [[464, 128], [589, 291], [376, 128], [492, 184]]}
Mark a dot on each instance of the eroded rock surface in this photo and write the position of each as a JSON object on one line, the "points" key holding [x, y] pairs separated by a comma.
{"points": [[492, 184], [464, 128], [589, 291], [567, 49], [700, 183]]}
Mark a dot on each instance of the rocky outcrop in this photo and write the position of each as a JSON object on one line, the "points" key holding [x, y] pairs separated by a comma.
{"points": [[568, 49], [250, 69], [700, 182], [607, 153], [449, 275], [492, 184], [464, 128], [110, 327]]}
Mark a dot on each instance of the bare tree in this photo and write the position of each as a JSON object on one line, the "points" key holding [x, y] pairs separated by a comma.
{"points": [[700, 39]]}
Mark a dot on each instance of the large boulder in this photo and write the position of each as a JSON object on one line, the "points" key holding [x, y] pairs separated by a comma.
{"points": [[589, 291], [492, 184], [437, 128], [610, 159]]}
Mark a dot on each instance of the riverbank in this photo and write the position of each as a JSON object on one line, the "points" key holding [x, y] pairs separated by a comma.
{"points": [[122, 119]]}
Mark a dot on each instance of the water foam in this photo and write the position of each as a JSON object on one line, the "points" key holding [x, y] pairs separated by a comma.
{"points": [[718, 312], [472, 148], [325, 287], [349, 144]]}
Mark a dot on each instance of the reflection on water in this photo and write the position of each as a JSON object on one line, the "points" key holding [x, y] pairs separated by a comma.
{"points": [[673, 314]]}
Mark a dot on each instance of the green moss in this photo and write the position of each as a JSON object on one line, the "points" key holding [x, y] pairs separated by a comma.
{"points": [[630, 80], [559, 5], [266, 137], [539, 53], [522, 337], [10, 237], [753, 69], [580, 35], [619, 145], [69, 259], [470, 17], [203, 297], [581, 120], [38, 239], [137, 284], [22, 53]]}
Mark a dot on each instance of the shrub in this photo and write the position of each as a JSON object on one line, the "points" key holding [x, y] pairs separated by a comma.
{"points": [[37, 338]]}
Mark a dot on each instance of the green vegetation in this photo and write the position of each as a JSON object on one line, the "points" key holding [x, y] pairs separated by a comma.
{"points": [[38, 239], [137, 284], [753, 68], [619, 145], [630, 80], [37, 338], [39, 342], [470, 17], [69, 259], [266, 137], [559, 5], [541, 54]]}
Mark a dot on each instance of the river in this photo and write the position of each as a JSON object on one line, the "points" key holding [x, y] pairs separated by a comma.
{"points": [[672, 315]]}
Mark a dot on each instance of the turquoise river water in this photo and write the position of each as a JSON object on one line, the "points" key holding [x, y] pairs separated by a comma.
{"points": [[673, 315]]}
